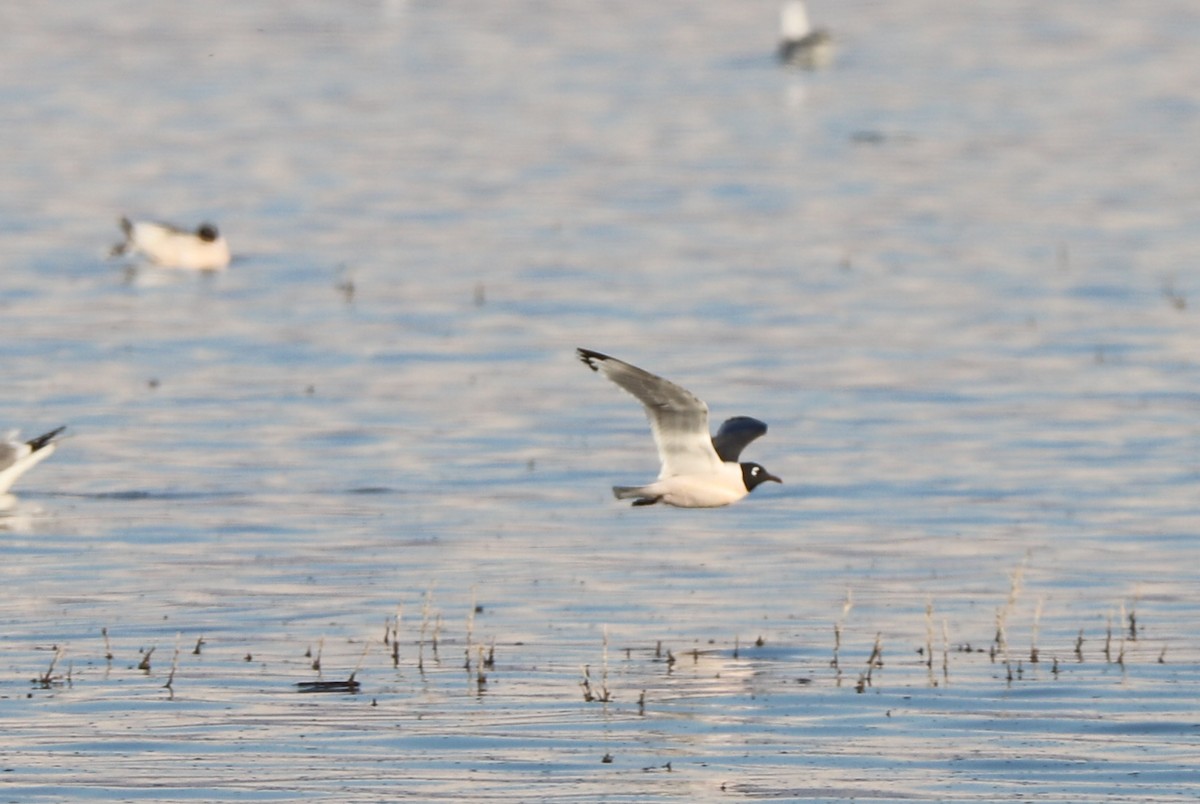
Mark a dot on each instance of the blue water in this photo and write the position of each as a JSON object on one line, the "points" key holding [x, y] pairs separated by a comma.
{"points": [[951, 271]]}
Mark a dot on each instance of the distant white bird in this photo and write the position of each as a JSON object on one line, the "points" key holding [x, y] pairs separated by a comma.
{"points": [[172, 247], [698, 470], [800, 44], [18, 457]]}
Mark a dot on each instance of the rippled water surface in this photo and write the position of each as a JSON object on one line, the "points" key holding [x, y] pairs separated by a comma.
{"points": [[955, 271]]}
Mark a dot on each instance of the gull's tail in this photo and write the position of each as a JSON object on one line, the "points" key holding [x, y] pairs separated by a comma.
{"points": [[629, 492], [123, 247]]}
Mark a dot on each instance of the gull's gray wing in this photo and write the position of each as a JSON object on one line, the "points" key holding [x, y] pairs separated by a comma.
{"points": [[735, 434], [10, 450], [678, 418], [166, 226]]}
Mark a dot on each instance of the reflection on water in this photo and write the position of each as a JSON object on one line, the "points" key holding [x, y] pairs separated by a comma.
{"points": [[945, 270]]}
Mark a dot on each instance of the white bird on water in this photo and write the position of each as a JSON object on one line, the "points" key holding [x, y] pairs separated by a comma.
{"points": [[698, 470], [171, 247], [800, 44], [18, 457]]}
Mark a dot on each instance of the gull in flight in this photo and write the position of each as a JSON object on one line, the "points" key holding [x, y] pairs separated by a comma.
{"points": [[171, 247], [18, 457], [698, 470]]}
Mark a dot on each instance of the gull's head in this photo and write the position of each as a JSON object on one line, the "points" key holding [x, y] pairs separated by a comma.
{"points": [[793, 21], [753, 474], [207, 232]]}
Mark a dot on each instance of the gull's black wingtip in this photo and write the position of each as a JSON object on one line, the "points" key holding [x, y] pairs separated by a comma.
{"points": [[590, 358], [45, 438], [747, 423]]}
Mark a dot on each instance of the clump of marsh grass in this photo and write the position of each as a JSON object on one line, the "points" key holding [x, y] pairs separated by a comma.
{"points": [[1121, 644], [1000, 641], [945, 652], [1037, 620], [426, 611], [668, 656], [876, 657], [489, 661], [362, 659], [590, 693], [47, 679], [470, 631], [170, 685], [144, 664], [391, 635], [928, 650], [480, 676], [316, 660], [875, 660], [837, 632], [108, 654]]}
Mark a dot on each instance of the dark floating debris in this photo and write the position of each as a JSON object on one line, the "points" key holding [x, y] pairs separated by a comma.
{"points": [[868, 137], [349, 685]]}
